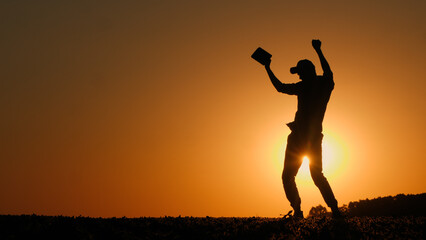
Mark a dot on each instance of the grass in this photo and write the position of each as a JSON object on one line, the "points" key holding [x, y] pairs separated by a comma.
{"points": [[60, 227]]}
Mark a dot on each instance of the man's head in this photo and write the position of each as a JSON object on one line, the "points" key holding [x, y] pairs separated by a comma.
{"points": [[305, 69]]}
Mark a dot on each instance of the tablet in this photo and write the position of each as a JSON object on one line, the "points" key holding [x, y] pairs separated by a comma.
{"points": [[261, 56]]}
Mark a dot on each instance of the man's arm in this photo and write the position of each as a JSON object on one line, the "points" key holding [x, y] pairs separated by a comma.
{"points": [[324, 64], [277, 83], [289, 88]]}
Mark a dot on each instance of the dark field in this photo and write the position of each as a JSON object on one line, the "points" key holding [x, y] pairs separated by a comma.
{"points": [[45, 227]]}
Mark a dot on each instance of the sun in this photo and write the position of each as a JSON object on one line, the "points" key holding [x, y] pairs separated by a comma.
{"points": [[334, 159], [304, 172]]}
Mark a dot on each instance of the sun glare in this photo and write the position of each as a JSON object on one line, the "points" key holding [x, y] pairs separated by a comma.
{"points": [[334, 158], [334, 155], [304, 172]]}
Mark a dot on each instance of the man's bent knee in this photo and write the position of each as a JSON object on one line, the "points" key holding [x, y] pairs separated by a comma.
{"points": [[289, 184], [318, 178]]}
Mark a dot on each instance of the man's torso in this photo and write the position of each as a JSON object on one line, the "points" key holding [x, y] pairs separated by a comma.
{"points": [[312, 100]]}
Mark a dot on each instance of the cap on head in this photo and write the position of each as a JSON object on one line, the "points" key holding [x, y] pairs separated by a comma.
{"points": [[303, 66]]}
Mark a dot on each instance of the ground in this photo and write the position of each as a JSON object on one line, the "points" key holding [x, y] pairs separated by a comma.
{"points": [[59, 227]]}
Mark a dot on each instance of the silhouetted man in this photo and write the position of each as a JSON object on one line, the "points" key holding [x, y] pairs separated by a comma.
{"points": [[305, 139]]}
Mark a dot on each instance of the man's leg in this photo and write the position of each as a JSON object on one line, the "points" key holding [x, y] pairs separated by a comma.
{"points": [[292, 163], [315, 166]]}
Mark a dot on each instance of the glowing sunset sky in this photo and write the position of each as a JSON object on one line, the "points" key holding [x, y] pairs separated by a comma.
{"points": [[153, 108]]}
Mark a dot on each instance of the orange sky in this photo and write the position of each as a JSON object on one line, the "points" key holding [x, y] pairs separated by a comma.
{"points": [[153, 108]]}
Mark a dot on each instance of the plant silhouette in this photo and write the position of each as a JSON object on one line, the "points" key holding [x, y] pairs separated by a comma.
{"points": [[318, 211]]}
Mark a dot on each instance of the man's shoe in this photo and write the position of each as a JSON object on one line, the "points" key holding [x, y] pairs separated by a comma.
{"points": [[288, 215], [336, 214], [298, 214]]}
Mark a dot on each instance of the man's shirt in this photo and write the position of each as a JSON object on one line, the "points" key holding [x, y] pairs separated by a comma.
{"points": [[312, 99]]}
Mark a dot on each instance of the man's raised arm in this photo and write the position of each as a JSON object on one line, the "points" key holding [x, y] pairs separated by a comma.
{"points": [[277, 83], [324, 64], [290, 89]]}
